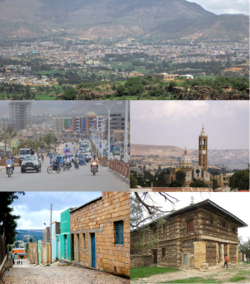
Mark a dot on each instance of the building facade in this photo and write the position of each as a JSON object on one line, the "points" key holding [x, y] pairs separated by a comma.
{"points": [[100, 234], [198, 234], [65, 248], [55, 228]]}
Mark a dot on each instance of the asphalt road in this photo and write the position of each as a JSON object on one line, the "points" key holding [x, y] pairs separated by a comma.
{"points": [[68, 180]]}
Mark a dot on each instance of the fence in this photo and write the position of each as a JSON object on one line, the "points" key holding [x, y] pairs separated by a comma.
{"points": [[120, 167]]}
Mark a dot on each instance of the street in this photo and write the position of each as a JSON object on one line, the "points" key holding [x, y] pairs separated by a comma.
{"points": [[75, 180], [28, 273]]}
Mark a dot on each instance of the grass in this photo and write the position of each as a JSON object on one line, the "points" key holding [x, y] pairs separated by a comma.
{"points": [[246, 262], [146, 271], [194, 280], [44, 97], [237, 278]]}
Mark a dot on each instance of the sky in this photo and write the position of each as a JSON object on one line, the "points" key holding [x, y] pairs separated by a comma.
{"points": [[179, 123], [34, 207], [224, 7], [234, 202]]}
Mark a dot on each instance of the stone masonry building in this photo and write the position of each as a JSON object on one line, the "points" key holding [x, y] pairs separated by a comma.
{"points": [[199, 233], [100, 234]]}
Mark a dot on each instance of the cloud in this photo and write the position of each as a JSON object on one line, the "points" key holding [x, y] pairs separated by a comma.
{"points": [[175, 111], [224, 7]]}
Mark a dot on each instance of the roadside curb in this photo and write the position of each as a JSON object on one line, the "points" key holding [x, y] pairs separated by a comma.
{"points": [[121, 176]]}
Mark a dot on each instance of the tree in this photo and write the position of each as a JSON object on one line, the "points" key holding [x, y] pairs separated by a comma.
{"points": [[215, 183], [244, 247], [175, 183], [180, 176], [69, 94], [198, 183], [7, 218], [240, 180], [133, 181]]}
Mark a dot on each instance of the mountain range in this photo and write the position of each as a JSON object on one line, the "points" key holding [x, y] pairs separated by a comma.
{"points": [[171, 155], [90, 20]]}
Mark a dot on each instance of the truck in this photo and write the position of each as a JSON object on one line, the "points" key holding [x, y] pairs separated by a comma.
{"points": [[117, 150], [23, 152]]}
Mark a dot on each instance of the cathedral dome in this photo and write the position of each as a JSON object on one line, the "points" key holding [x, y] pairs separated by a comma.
{"points": [[186, 161]]}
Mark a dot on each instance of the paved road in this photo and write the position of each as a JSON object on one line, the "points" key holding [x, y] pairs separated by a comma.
{"points": [[69, 180], [30, 274]]}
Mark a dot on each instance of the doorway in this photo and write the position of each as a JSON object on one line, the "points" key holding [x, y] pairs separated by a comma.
{"points": [[155, 255], [93, 261]]}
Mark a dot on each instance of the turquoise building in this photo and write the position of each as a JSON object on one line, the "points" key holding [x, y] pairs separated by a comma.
{"points": [[64, 243]]}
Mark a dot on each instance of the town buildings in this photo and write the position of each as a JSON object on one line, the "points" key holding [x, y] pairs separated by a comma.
{"points": [[95, 235], [194, 236]]}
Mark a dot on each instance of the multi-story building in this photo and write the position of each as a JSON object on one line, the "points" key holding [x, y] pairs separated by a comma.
{"points": [[58, 124], [117, 122], [19, 114], [196, 235], [67, 122]]}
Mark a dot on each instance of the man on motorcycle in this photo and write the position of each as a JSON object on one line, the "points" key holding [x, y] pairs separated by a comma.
{"points": [[11, 162], [94, 159], [69, 160]]}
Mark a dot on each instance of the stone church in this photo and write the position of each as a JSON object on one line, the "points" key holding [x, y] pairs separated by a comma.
{"points": [[194, 173], [195, 236]]}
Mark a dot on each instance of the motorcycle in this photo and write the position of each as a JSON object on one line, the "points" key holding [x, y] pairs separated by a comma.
{"points": [[9, 170], [94, 168], [66, 165], [54, 167], [76, 165]]}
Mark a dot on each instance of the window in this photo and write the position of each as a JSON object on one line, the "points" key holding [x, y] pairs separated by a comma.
{"points": [[119, 238], [154, 230], [164, 227], [163, 250], [233, 230], [83, 241], [190, 225], [211, 221], [224, 225]]}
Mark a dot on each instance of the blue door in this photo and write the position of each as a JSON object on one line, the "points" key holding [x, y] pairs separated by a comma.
{"points": [[93, 249]]}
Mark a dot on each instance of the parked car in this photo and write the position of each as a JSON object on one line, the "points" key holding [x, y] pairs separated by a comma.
{"points": [[31, 163]]}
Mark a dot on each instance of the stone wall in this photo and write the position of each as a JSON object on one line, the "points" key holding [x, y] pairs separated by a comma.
{"points": [[211, 253], [140, 260], [99, 217], [33, 253], [233, 249]]}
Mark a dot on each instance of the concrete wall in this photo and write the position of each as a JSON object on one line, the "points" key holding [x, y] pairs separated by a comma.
{"points": [[33, 250], [99, 218]]}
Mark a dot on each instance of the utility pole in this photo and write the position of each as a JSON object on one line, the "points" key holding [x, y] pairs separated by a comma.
{"points": [[126, 133], [5, 134], [50, 232]]}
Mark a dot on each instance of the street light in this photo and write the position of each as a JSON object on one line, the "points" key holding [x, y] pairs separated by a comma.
{"points": [[109, 109]]}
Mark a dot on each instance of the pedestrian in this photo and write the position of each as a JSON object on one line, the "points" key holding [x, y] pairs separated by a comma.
{"points": [[226, 261]]}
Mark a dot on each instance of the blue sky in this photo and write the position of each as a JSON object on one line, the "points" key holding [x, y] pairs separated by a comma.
{"points": [[34, 207], [224, 7]]}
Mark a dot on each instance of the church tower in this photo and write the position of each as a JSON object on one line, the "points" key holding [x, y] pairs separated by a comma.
{"points": [[203, 149]]}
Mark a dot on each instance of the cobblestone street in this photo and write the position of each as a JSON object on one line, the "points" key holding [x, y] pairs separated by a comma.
{"points": [[58, 275]]}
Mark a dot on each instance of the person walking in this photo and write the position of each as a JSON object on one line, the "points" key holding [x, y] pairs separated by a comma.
{"points": [[226, 261]]}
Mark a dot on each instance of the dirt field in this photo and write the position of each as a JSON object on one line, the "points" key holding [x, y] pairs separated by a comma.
{"points": [[219, 274]]}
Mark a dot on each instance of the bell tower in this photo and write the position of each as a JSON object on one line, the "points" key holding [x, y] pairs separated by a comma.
{"points": [[203, 149]]}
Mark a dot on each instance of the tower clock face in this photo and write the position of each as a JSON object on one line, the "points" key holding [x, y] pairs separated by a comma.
{"points": [[203, 151]]}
